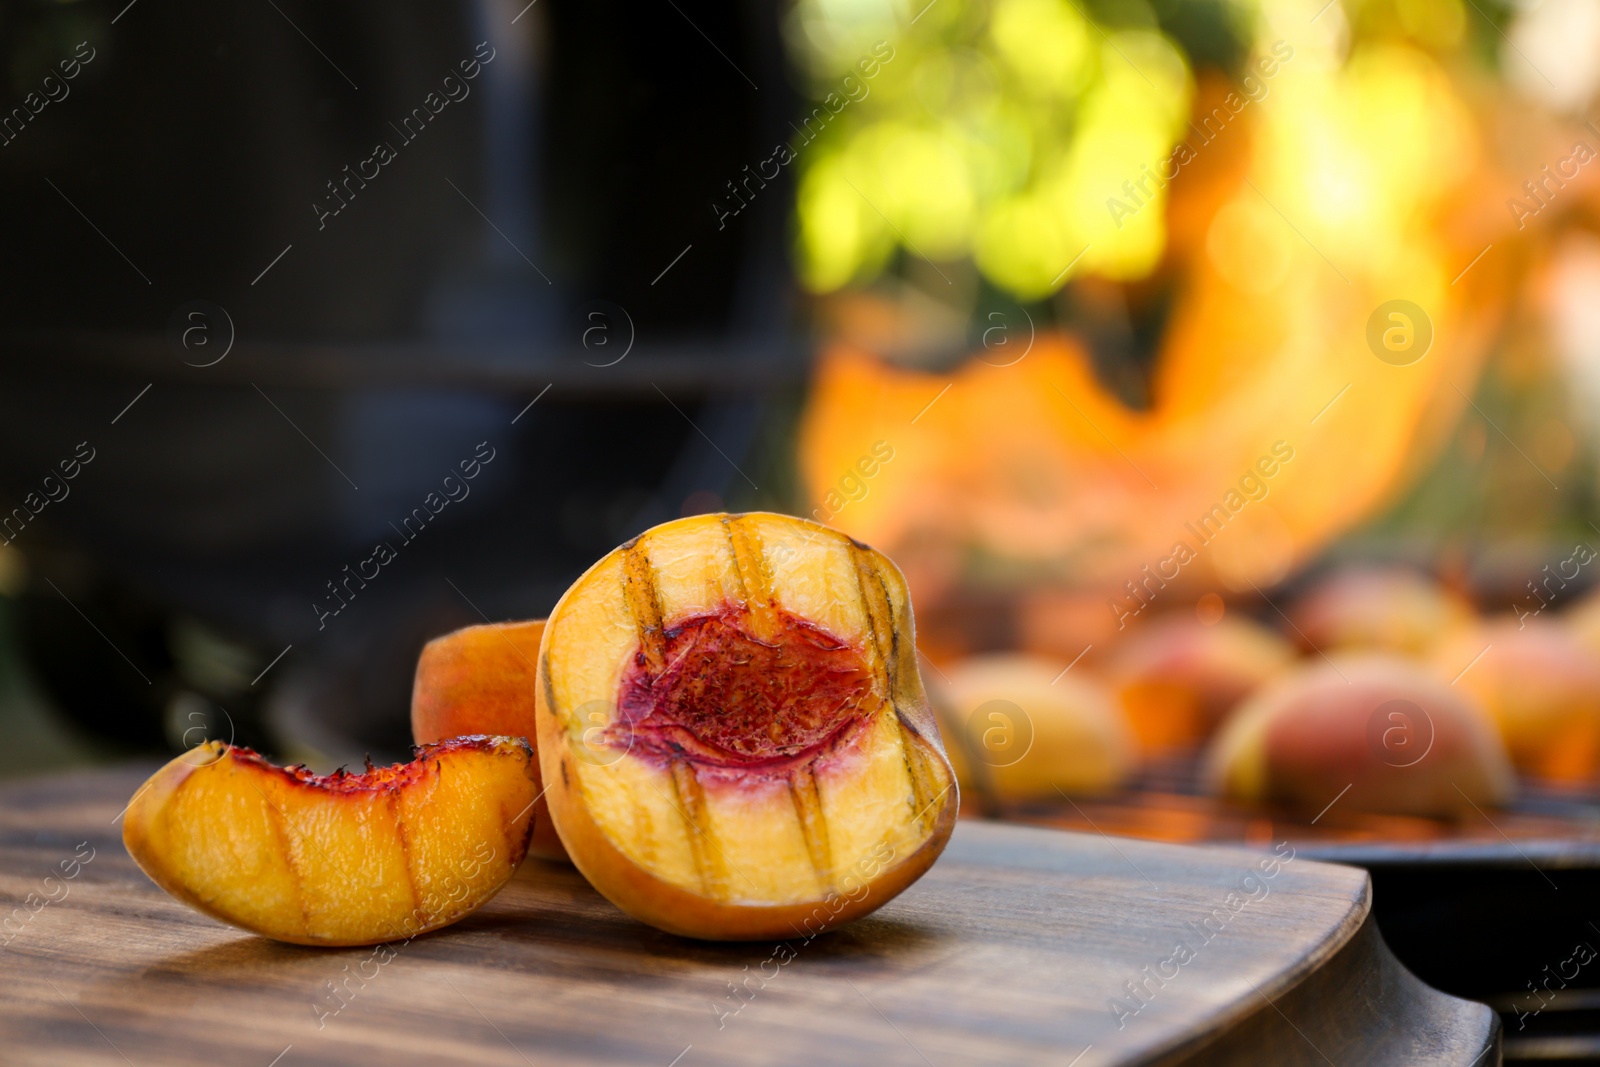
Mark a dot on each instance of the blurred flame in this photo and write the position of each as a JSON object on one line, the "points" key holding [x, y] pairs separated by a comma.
{"points": [[1339, 199]]}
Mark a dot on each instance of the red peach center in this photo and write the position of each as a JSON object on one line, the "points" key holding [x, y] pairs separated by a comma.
{"points": [[729, 697]]}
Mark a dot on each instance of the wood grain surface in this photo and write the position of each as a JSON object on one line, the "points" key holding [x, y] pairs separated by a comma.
{"points": [[1018, 947]]}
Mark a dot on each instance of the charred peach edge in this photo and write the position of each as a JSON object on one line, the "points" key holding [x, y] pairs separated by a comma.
{"points": [[159, 791], [676, 908]]}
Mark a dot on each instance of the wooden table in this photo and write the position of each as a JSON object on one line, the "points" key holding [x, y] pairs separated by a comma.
{"points": [[1015, 948]]}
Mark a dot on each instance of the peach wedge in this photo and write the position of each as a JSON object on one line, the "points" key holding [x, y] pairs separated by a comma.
{"points": [[340, 859], [734, 731], [482, 680]]}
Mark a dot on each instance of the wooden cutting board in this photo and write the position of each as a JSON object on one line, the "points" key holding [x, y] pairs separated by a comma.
{"points": [[1021, 945]]}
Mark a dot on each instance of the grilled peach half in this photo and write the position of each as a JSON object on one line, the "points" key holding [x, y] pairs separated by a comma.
{"points": [[340, 859], [734, 732], [482, 680]]}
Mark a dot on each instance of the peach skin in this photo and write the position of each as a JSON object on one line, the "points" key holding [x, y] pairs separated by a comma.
{"points": [[1022, 728], [1179, 678], [1540, 686], [1379, 609], [482, 680], [1402, 740]]}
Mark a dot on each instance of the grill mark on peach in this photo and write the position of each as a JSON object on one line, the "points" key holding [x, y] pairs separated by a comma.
{"points": [[285, 828], [875, 606], [691, 805], [519, 851], [919, 772], [516, 852], [404, 837], [756, 576], [644, 603], [813, 823], [280, 832], [879, 612], [750, 561], [543, 680]]}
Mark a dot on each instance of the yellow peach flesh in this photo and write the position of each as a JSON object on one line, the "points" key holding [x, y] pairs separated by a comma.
{"points": [[340, 859]]}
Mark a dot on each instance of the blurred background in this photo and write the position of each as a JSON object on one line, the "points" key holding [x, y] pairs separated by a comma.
{"points": [[1222, 373]]}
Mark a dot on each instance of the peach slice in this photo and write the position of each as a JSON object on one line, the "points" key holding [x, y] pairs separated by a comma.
{"points": [[734, 732], [1540, 685], [1023, 727], [1376, 732], [341, 859], [1179, 678], [483, 680]]}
